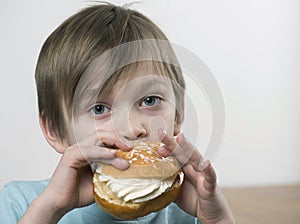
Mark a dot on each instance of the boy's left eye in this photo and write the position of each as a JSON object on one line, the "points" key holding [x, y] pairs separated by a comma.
{"points": [[99, 109], [150, 101]]}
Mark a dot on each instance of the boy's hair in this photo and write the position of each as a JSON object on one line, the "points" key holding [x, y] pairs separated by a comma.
{"points": [[75, 44]]}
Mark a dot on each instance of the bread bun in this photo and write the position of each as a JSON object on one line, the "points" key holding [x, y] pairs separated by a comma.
{"points": [[148, 185]]}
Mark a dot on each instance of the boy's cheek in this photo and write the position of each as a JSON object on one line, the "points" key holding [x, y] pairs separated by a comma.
{"points": [[165, 121], [85, 128], [85, 131]]}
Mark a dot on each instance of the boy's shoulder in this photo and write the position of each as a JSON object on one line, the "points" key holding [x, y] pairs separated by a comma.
{"points": [[25, 189], [16, 196]]}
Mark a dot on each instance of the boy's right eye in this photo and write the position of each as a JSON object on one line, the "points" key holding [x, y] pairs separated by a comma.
{"points": [[99, 109]]}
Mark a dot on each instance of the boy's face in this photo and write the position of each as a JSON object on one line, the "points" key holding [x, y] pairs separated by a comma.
{"points": [[134, 110]]}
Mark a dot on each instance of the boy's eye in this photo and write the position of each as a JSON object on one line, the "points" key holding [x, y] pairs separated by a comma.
{"points": [[99, 109], [150, 101]]}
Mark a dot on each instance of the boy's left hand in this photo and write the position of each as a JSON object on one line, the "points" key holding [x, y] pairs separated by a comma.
{"points": [[200, 196]]}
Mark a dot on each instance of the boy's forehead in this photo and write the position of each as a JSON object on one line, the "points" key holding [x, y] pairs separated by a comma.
{"points": [[102, 81], [139, 81]]}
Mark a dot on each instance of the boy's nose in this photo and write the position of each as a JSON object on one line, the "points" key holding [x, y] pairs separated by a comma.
{"points": [[130, 124], [136, 131]]}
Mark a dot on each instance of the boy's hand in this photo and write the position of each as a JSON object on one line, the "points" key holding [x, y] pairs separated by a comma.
{"points": [[200, 195], [71, 185]]}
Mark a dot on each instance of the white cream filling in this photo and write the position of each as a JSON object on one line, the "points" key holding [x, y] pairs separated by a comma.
{"points": [[137, 189]]}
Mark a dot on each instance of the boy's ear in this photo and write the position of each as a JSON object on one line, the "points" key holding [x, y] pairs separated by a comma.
{"points": [[179, 119], [177, 125], [177, 129], [51, 137]]}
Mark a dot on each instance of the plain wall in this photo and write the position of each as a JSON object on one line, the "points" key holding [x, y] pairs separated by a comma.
{"points": [[252, 47]]}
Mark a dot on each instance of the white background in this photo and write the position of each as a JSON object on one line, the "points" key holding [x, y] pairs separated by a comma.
{"points": [[251, 46]]}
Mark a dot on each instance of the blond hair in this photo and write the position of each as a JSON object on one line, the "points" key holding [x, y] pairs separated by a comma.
{"points": [[69, 51]]}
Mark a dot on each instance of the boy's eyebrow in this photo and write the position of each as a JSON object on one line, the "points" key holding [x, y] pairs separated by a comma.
{"points": [[90, 97], [93, 94]]}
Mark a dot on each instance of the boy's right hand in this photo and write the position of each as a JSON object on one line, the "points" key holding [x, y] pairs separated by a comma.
{"points": [[71, 185]]}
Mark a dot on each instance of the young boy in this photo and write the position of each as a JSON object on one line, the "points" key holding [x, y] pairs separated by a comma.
{"points": [[95, 96]]}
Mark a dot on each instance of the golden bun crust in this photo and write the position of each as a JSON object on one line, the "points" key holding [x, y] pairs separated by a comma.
{"points": [[147, 164], [144, 162], [122, 210]]}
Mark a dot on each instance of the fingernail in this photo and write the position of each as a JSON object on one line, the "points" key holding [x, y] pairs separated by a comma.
{"points": [[160, 149], [128, 144], [125, 164], [162, 133], [182, 135], [163, 151], [204, 164], [179, 137]]}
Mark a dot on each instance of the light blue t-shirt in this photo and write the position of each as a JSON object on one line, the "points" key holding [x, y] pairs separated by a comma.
{"points": [[16, 196]]}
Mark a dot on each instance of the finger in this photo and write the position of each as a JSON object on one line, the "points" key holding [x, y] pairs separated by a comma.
{"points": [[168, 140], [163, 151], [80, 156], [106, 139], [210, 177], [170, 145], [112, 140], [104, 156], [191, 174], [122, 143], [95, 153], [179, 148], [119, 163], [191, 153], [207, 177]]}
